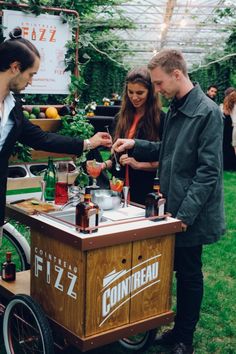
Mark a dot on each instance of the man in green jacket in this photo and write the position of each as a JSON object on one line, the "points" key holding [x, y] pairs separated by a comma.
{"points": [[190, 171]]}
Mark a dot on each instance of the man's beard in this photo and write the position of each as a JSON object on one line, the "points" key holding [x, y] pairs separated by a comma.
{"points": [[15, 89]]}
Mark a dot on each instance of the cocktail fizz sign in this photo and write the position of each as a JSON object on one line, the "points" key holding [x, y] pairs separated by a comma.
{"points": [[117, 287], [49, 35]]}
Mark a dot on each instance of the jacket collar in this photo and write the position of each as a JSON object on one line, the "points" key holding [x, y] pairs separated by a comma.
{"points": [[190, 107]]}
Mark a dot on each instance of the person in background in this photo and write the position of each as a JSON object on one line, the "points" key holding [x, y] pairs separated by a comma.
{"points": [[19, 62], [229, 159], [140, 117], [212, 92], [226, 93], [229, 107], [229, 90], [190, 172]]}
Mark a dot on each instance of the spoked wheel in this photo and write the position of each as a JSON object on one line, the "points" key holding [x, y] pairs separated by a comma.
{"points": [[139, 341], [16, 243], [25, 328]]}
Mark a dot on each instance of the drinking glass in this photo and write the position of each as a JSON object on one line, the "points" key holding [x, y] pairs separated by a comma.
{"points": [[61, 191], [94, 169], [117, 185]]}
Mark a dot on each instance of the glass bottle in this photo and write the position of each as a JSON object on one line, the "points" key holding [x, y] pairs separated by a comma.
{"points": [[61, 189], [50, 181], [87, 214], [8, 269], [154, 202]]}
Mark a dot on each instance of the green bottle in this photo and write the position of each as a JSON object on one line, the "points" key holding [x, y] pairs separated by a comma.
{"points": [[50, 181]]}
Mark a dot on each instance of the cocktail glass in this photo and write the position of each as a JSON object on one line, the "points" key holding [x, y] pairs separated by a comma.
{"points": [[94, 169], [117, 185]]}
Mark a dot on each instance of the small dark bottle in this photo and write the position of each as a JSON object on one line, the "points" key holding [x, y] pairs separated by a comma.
{"points": [[87, 214], [155, 203], [8, 269]]}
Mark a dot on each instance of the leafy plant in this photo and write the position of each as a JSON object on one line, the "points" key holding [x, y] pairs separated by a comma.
{"points": [[100, 67], [78, 126], [221, 72]]}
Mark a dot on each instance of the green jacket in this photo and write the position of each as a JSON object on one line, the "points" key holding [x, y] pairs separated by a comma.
{"points": [[190, 171]]}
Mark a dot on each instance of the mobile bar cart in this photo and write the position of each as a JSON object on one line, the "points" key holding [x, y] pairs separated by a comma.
{"points": [[99, 287]]}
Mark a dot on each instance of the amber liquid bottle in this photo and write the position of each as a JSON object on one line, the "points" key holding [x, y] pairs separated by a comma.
{"points": [[87, 214], [155, 203], [8, 269]]}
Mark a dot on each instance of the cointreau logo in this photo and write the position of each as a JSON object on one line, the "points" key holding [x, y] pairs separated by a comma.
{"points": [[132, 282]]}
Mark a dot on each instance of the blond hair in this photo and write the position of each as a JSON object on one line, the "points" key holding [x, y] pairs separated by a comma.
{"points": [[168, 60]]}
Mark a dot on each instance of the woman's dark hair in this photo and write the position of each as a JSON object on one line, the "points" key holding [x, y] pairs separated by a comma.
{"points": [[151, 122], [17, 49], [229, 90]]}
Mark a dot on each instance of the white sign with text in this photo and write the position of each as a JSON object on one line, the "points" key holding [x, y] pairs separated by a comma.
{"points": [[49, 35]]}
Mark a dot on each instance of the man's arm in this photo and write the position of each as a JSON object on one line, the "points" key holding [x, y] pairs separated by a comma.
{"points": [[38, 139], [146, 150], [142, 150], [208, 169]]}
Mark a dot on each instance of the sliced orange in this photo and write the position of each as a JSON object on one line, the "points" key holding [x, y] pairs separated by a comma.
{"points": [[116, 185]]}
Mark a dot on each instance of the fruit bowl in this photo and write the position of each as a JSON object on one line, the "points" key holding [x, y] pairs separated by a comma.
{"points": [[106, 199]]}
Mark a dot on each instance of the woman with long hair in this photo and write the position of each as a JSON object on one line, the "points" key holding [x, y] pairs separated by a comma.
{"points": [[229, 107], [140, 117]]}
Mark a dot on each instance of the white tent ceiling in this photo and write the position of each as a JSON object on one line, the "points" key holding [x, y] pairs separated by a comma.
{"points": [[189, 25]]}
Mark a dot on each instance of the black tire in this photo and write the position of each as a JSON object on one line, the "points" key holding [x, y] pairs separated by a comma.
{"points": [[25, 328], [10, 243], [140, 341]]}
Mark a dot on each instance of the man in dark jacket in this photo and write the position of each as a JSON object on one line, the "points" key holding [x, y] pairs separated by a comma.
{"points": [[190, 170], [19, 62], [212, 92]]}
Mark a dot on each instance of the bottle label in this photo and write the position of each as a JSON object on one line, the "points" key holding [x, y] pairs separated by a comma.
{"points": [[51, 174], [161, 207], [8, 272], [3, 273], [92, 217]]}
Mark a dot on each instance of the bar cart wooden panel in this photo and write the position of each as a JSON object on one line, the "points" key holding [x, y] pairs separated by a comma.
{"points": [[101, 287], [58, 271]]}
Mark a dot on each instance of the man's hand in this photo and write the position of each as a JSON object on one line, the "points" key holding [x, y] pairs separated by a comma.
{"points": [[101, 138], [123, 144]]}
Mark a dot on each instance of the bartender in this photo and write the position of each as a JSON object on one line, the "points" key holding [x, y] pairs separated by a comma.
{"points": [[19, 62]]}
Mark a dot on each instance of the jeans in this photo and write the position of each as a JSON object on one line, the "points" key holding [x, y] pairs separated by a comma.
{"points": [[188, 268]]}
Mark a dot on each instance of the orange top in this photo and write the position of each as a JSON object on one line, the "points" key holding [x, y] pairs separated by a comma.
{"points": [[130, 135]]}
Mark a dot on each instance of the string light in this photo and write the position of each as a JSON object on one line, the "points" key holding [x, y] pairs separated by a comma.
{"points": [[213, 62]]}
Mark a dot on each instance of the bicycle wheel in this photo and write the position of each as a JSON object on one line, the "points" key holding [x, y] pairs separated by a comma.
{"points": [[25, 328], [139, 341], [16, 243]]}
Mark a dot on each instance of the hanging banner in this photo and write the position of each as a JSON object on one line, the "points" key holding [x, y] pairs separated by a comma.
{"points": [[49, 35]]}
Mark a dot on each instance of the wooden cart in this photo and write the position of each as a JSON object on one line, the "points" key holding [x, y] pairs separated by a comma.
{"points": [[98, 288]]}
